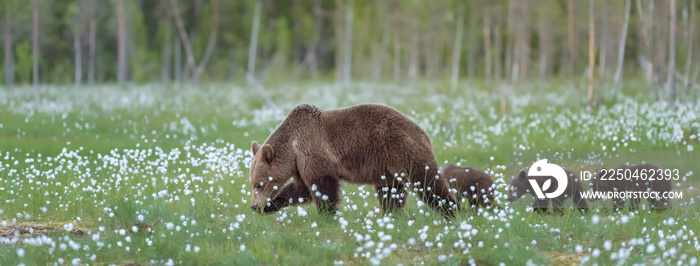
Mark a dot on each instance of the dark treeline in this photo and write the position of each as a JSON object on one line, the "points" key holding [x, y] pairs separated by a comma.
{"points": [[97, 41]]}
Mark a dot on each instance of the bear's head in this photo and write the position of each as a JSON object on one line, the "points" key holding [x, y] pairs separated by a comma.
{"points": [[269, 172], [518, 187]]}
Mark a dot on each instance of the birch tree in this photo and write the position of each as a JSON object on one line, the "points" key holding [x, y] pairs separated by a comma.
{"points": [[572, 50], [184, 38], [121, 43], [92, 42], [591, 54], [623, 39], [252, 54], [9, 57], [35, 42], [456, 53], [671, 77], [347, 51], [691, 33]]}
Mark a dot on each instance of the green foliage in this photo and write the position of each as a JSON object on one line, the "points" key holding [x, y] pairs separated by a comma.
{"points": [[23, 63], [137, 140], [287, 28]]}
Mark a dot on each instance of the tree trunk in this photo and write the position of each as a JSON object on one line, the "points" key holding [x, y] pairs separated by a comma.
{"points": [[253, 48], [167, 53], [9, 59], [432, 42], [660, 44], [396, 40], [509, 48], [211, 44], [623, 39], [591, 55], [252, 54], [487, 42], [347, 48], [338, 31], [524, 56], [652, 64], [603, 44], [545, 42], [497, 53], [689, 58], [414, 56], [472, 41], [572, 50], [177, 62], [379, 48], [92, 42], [35, 42], [191, 64], [672, 57], [78, 59], [121, 46], [311, 57], [456, 54], [646, 63], [414, 46]]}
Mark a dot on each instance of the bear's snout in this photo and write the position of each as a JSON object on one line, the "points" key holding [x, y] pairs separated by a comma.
{"points": [[254, 207]]}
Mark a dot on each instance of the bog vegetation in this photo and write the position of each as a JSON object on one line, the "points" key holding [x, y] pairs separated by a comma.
{"points": [[84, 171]]}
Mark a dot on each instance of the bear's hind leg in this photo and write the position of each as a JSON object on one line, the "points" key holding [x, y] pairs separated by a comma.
{"points": [[391, 198]]}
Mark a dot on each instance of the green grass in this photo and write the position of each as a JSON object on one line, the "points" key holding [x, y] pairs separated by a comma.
{"points": [[181, 154]]}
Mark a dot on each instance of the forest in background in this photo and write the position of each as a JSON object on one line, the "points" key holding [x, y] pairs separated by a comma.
{"points": [[139, 41]]}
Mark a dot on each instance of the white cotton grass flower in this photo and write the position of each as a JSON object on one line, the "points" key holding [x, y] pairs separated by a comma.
{"points": [[68, 227]]}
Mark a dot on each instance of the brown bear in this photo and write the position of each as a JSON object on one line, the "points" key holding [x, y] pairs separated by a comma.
{"points": [[363, 144], [640, 178], [470, 184], [520, 186]]}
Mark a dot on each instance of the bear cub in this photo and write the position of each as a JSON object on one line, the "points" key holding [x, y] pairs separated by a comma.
{"points": [[519, 186], [469, 184]]}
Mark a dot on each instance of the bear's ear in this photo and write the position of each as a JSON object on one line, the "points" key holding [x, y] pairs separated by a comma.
{"points": [[255, 147], [267, 153], [522, 174]]}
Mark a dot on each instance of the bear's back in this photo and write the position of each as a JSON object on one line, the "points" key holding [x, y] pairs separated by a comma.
{"points": [[372, 124], [466, 177]]}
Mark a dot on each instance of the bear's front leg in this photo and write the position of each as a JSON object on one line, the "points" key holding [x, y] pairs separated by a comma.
{"points": [[325, 193], [540, 205], [292, 194]]}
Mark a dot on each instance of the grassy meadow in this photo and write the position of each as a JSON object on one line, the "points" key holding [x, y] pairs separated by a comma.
{"points": [[81, 167]]}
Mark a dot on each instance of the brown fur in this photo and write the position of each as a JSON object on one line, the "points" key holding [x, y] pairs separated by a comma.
{"points": [[471, 184], [358, 144], [634, 184], [520, 186]]}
